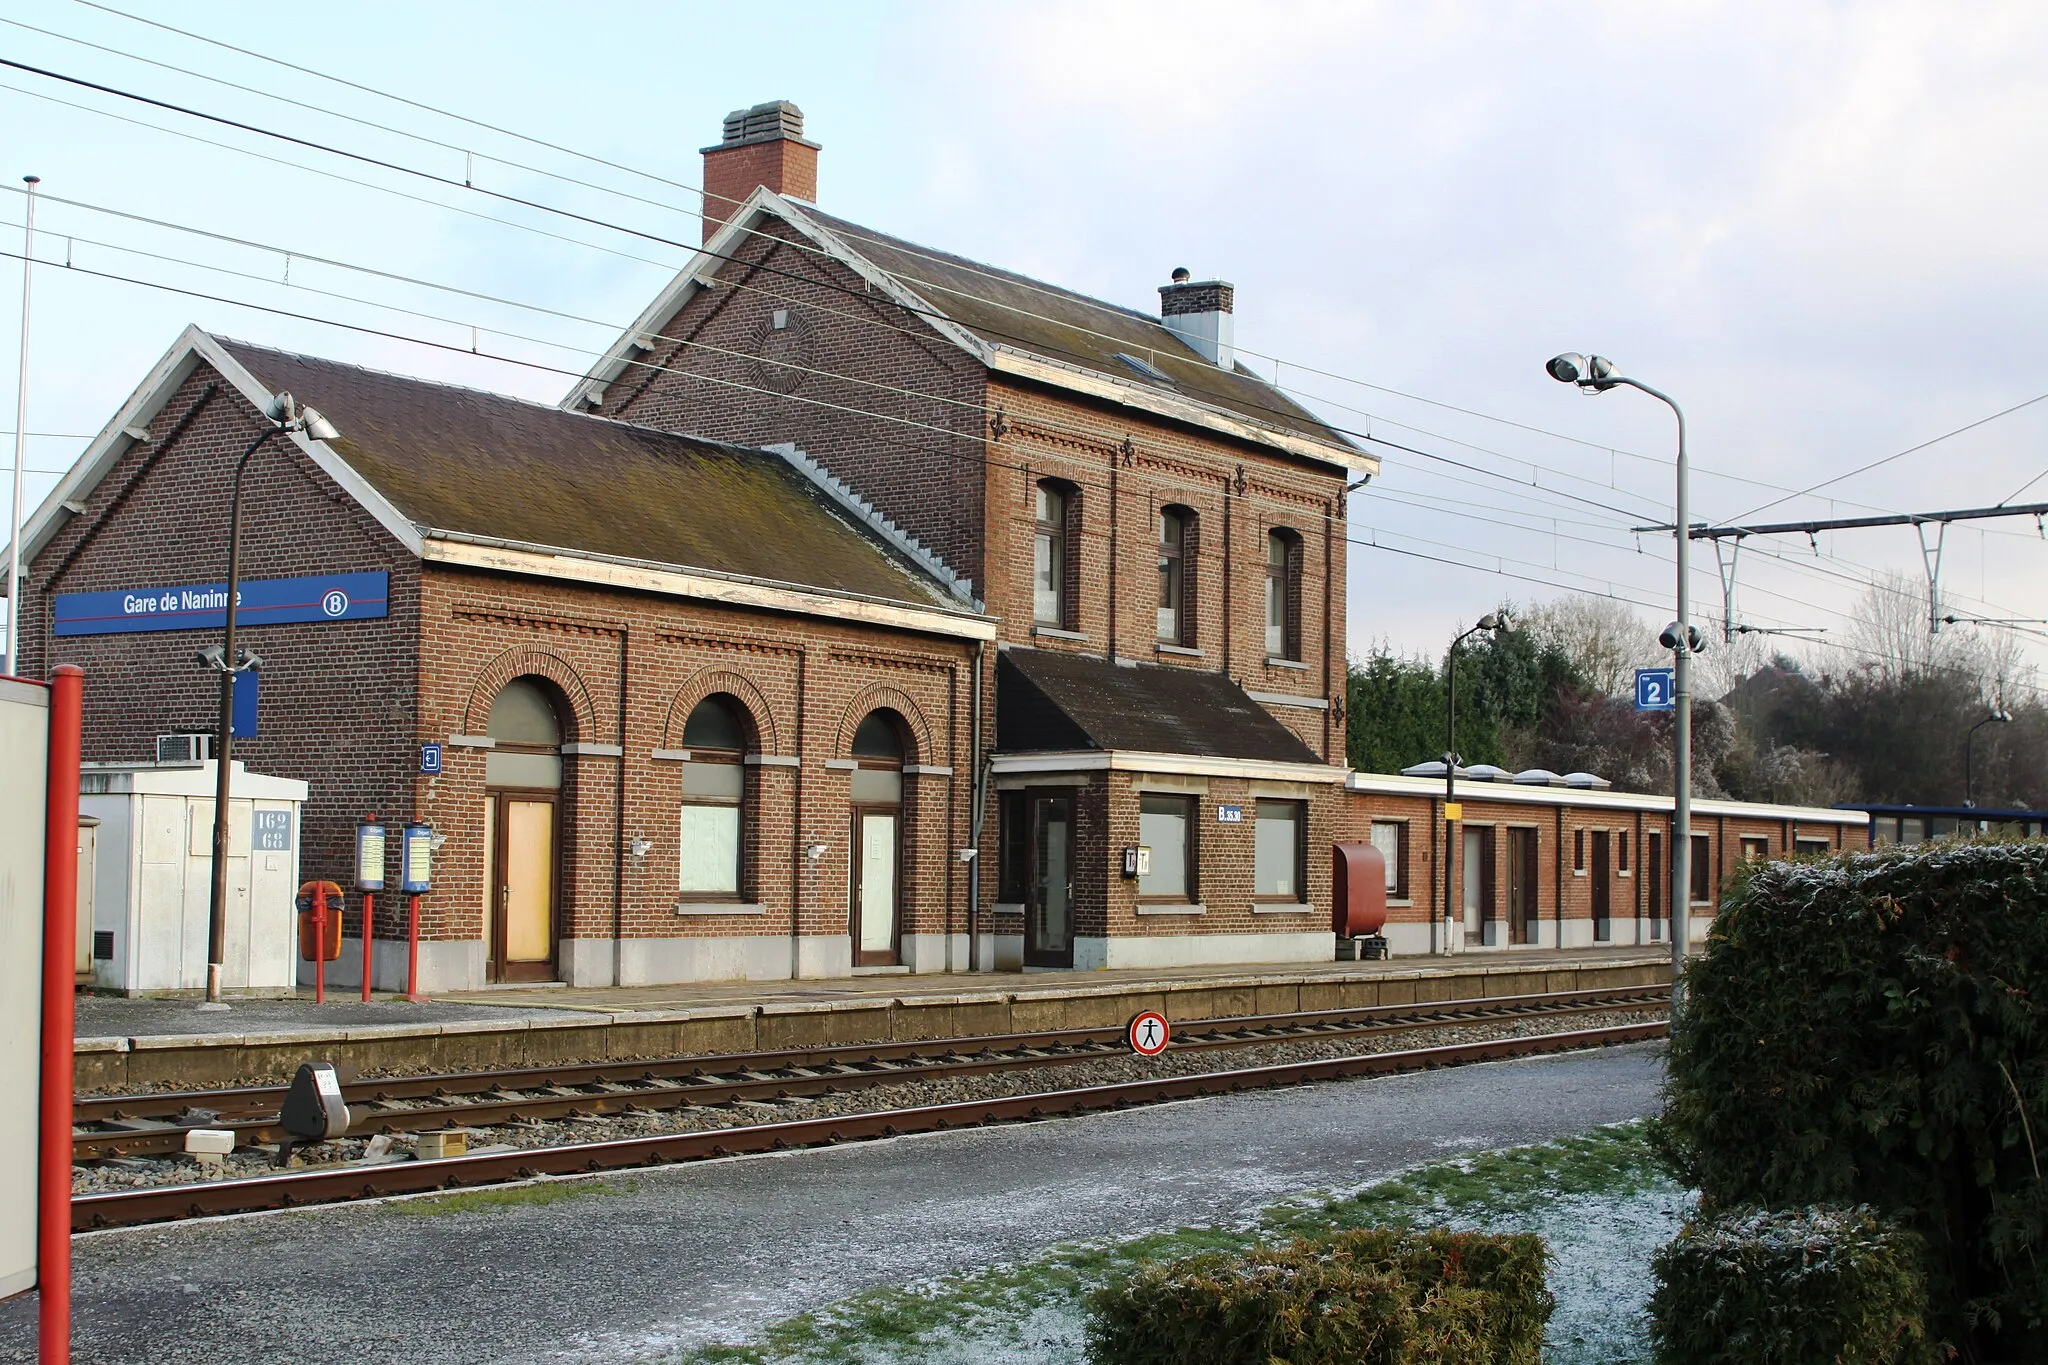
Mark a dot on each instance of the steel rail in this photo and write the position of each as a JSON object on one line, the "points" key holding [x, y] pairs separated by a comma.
{"points": [[127, 1208], [565, 1091]]}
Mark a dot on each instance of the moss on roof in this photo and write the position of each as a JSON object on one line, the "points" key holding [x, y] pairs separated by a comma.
{"points": [[1014, 310], [482, 464]]}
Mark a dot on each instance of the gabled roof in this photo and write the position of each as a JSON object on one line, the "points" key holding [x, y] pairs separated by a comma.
{"points": [[1014, 325], [1057, 701], [465, 476]]}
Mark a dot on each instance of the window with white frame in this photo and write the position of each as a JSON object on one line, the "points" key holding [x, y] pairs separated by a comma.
{"points": [[1390, 837], [1049, 604], [714, 801], [1166, 825], [1278, 846]]}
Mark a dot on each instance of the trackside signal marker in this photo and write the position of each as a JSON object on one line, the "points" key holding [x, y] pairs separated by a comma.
{"points": [[1149, 1033]]}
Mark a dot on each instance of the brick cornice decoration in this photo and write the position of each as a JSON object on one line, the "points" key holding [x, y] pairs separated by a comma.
{"points": [[1106, 448], [767, 736], [882, 694], [877, 659], [565, 625], [530, 661], [700, 641]]}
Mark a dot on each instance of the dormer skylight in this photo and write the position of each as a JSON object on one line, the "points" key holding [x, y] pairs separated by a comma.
{"points": [[1144, 369]]}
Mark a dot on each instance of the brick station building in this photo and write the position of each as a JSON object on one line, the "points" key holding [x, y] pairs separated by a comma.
{"points": [[864, 609]]}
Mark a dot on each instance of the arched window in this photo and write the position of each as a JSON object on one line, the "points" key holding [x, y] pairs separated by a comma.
{"points": [[878, 751], [528, 738], [714, 800], [1051, 560], [1283, 595], [1176, 576]]}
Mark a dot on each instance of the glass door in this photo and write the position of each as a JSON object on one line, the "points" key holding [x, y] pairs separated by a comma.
{"points": [[1049, 908]]}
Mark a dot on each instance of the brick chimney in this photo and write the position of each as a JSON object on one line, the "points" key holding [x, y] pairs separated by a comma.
{"points": [[763, 145], [1199, 313]]}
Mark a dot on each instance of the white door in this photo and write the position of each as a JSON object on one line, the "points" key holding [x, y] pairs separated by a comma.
{"points": [[1472, 873], [876, 941]]}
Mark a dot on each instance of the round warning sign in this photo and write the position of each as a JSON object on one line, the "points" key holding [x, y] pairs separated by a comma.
{"points": [[1149, 1033]]}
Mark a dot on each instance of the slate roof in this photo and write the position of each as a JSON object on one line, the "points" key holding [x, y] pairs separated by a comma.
{"points": [[483, 464], [1047, 700], [1008, 309]]}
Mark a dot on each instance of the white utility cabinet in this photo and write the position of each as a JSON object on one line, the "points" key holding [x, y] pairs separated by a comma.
{"points": [[153, 877]]}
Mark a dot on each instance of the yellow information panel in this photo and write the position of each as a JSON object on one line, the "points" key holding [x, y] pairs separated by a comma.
{"points": [[1454, 810]]}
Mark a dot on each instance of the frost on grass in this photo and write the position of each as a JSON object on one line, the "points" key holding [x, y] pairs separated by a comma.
{"points": [[1598, 1199]]}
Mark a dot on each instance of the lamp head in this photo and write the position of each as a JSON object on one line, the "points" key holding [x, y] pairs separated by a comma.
{"points": [[1569, 368], [1493, 620], [317, 426], [281, 408]]}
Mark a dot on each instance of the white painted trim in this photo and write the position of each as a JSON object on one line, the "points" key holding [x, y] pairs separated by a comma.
{"points": [[772, 761], [1119, 760], [1387, 784], [1289, 699], [193, 347], [927, 770], [539, 561], [1180, 407], [764, 203], [471, 742], [587, 750]]}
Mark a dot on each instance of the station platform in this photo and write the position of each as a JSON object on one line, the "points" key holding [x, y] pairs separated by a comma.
{"points": [[126, 1044]]}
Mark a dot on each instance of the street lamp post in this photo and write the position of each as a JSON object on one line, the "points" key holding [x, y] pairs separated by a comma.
{"points": [[1490, 621], [285, 417], [1597, 374], [1969, 743]]}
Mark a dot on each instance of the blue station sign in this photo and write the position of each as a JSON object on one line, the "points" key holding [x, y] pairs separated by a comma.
{"points": [[1656, 689], [203, 606]]}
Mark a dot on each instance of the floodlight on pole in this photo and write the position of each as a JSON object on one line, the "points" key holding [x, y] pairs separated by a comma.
{"points": [[1597, 374], [1998, 714], [284, 417]]}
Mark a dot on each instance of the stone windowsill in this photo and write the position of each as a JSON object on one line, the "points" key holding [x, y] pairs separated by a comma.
{"points": [[1054, 633], [1178, 651], [1171, 908], [1276, 908], [719, 908], [1298, 665]]}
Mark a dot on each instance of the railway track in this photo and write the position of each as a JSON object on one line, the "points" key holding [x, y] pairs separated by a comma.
{"points": [[156, 1123], [295, 1189]]}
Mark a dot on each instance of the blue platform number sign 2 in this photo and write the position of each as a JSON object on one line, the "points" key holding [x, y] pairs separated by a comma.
{"points": [[430, 759], [1656, 689]]}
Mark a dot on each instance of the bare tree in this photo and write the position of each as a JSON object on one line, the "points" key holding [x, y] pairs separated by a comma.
{"points": [[1888, 628], [1603, 638]]}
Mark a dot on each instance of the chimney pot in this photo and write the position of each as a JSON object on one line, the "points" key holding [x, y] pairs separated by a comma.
{"points": [[761, 146], [1200, 312], [1180, 274]]}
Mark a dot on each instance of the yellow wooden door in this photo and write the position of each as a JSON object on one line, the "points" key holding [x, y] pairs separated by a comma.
{"points": [[529, 892]]}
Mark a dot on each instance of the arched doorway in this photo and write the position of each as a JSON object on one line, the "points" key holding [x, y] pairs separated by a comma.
{"points": [[522, 828], [877, 892]]}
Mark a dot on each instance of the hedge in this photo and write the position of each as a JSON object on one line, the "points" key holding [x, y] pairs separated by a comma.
{"points": [[1791, 1288], [1372, 1296], [1863, 1030]]}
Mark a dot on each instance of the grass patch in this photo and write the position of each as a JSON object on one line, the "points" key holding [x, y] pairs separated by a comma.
{"points": [[1599, 1198], [539, 1193]]}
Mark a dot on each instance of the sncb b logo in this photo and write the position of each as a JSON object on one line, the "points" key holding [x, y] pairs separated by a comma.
{"points": [[335, 603]]}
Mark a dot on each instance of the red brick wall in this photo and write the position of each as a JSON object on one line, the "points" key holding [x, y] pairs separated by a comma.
{"points": [[732, 173], [805, 684], [917, 460], [338, 700]]}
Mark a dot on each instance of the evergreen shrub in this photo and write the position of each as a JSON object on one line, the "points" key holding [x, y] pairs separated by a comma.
{"points": [[1790, 1288], [1371, 1296], [1865, 1030]]}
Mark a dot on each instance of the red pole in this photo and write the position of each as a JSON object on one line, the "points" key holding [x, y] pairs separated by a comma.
{"points": [[60, 929], [369, 918], [412, 954], [319, 944]]}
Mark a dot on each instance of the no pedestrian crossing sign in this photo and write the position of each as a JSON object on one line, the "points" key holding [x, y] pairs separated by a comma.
{"points": [[1149, 1033], [1656, 689]]}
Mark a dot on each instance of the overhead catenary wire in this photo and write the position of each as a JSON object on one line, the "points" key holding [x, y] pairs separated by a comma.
{"points": [[665, 240]]}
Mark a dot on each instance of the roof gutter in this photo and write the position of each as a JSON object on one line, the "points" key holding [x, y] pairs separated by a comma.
{"points": [[1189, 765]]}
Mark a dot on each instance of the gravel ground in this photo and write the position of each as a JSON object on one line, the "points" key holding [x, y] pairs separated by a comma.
{"points": [[136, 1172], [631, 1268]]}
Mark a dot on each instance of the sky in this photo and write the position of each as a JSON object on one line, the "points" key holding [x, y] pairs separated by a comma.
{"points": [[1816, 227]]}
